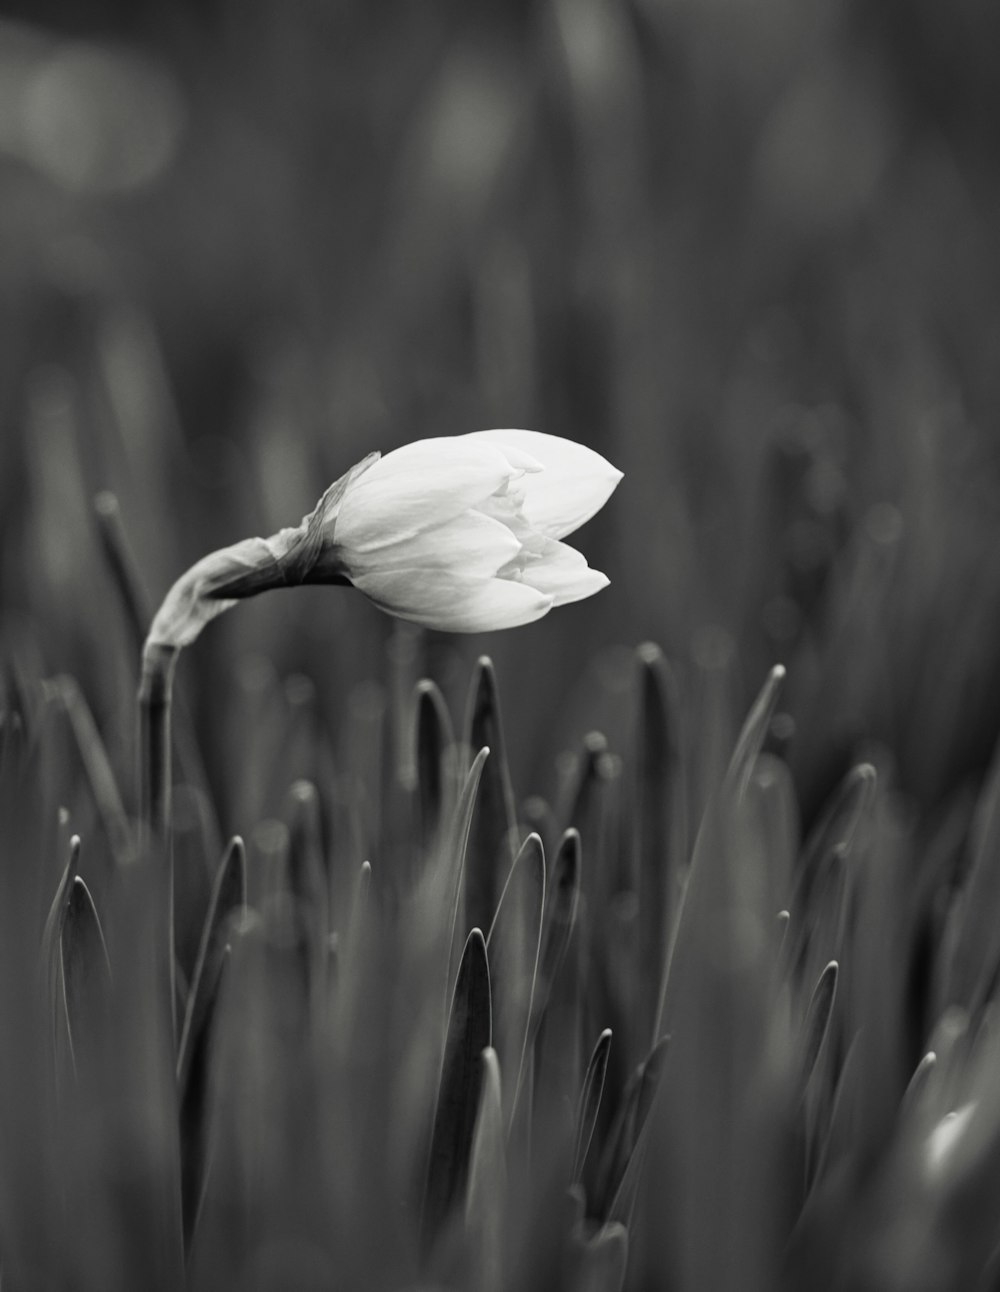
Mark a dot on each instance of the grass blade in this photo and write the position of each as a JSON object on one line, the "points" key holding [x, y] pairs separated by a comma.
{"points": [[838, 825], [307, 875], [751, 739], [603, 1260], [590, 1101], [457, 847], [97, 766], [194, 1095], [975, 940], [558, 920], [626, 1137], [638, 1124], [86, 968], [484, 1204], [513, 943], [229, 895], [660, 826], [492, 838], [817, 1019], [434, 740], [469, 1033]]}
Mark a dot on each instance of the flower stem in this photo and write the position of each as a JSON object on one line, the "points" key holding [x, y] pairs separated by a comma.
{"points": [[155, 688]]}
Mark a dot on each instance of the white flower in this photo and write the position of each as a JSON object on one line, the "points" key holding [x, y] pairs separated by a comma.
{"points": [[460, 533], [464, 533]]}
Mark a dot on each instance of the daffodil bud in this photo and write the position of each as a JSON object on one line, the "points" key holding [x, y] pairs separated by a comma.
{"points": [[461, 533]]}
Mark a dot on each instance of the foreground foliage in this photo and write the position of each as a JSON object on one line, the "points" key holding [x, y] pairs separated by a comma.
{"points": [[428, 1037]]}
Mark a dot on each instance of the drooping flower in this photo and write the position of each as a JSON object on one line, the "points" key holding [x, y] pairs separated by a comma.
{"points": [[461, 533], [465, 533]]}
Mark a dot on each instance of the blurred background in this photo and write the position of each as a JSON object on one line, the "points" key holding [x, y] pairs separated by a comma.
{"points": [[749, 252]]}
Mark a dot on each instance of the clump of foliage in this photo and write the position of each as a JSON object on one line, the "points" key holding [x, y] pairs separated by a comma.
{"points": [[601, 1043]]}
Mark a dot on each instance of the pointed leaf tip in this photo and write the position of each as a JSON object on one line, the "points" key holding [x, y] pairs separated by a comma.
{"points": [[469, 1033]]}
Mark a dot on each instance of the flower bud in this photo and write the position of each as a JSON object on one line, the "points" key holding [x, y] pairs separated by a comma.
{"points": [[461, 534]]}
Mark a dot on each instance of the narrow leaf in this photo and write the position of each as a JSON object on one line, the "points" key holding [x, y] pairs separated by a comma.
{"points": [[55, 919], [123, 566], [469, 1033], [590, 1101], [843, 814], [513, 945], [603, 1260], [85, 965], [834, 1139], [751, 739], [491, 841], [229, 895], [194, 1095], [307, 876], [660, 825], [590, 804], [626, 1139], [457, 846], [917, 1085], [975, 950], [434, 742], [484, 1204], [817, 1020], [561, 902], [97, 767]]}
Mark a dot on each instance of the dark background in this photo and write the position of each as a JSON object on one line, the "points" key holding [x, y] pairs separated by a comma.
{"points": [[747, 251]]}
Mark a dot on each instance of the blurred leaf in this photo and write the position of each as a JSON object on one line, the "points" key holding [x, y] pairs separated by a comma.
{"points": [[918, 1085], [435, 752], [56, 918], [824, 925], [493, 835], [660, 826], [817, 1020], [97, 766], [616, 1178], [558, 919], [123, 567], [484, 1209], [587, 806], [815, 1029], [836, 1136], [773, 790], [194, 1093], [639, 1127], [454, 854], [513, 944], [603, 1260], [307, 871], [359, 906], [837, 826], [469, 1033], [590, 1101], [558, 1048], [86, 970], [229, 895], [974, 942], [751, 739]]}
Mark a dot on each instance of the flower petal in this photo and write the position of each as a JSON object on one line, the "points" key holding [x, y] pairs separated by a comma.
{"points": [[469, 544], [415, 487], [451, 602], [561, 572], [575, 484]]}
